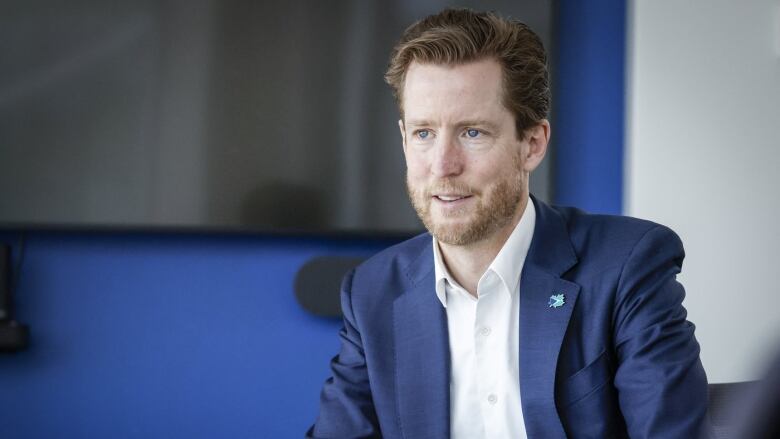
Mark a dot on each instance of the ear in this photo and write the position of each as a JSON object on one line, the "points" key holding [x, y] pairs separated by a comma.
{"points": [[403, 133], [537, 138]]}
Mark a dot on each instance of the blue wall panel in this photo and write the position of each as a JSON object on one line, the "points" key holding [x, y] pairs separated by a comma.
{"points": [[139, 335], [589, 87]]}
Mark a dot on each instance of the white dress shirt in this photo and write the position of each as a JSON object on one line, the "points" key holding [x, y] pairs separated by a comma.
{"points": [[484, 338]]}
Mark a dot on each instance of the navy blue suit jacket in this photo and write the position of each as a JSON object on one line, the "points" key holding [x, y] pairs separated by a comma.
{"points": [[618, 359]]}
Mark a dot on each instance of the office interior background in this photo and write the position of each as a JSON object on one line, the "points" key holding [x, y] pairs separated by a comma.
{"points": [[663, 110]]}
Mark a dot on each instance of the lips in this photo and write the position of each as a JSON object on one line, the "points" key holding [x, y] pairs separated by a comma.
{"points": [[449, 198]]}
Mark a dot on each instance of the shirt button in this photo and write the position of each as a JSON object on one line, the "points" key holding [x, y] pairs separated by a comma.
{"points": [[485, 331], [492, 398]]}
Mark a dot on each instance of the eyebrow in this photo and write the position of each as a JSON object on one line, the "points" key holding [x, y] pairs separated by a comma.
{"points": [[417, 122], [479, 122], [464, 123]]}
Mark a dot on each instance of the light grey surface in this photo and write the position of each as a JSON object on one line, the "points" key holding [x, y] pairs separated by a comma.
{"points": [[265, 115], [703, 154]]}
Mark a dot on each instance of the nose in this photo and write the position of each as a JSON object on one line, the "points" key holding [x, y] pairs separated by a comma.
{"points": [[447, 160]]}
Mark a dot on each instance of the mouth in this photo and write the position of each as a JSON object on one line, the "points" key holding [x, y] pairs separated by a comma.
{"points": [[451, 198]]}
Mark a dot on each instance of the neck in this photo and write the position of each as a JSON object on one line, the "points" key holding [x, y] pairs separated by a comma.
{"points": [[467, 263]]}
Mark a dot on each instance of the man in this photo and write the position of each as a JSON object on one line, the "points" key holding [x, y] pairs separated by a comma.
{"points": [[511, 318]]}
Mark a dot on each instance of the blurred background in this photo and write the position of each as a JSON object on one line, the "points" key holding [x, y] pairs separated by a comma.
{"points": [[232, 115], [168, 167]]}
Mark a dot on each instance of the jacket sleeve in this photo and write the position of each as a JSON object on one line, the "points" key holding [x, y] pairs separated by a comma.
{"points": [[346, 406], [661, 383]]}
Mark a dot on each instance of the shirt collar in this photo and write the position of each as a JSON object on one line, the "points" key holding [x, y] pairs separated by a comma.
{"points": [[508, 263]]}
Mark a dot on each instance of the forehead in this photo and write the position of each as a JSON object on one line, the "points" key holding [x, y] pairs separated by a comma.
{"points": [[447, 92]]}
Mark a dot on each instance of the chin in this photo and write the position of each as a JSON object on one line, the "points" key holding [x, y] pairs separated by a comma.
{"points": [[455, 232]]}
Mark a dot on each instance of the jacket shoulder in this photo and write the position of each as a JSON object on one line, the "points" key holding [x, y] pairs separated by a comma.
{"points": [[389, 268], [612, 236]]}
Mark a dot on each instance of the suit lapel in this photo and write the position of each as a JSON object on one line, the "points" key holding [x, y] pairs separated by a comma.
{"points": [[422, 358], [543, 327], [541, 333]]}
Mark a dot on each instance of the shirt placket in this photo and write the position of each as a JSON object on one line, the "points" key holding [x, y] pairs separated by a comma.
{"points": [[486, 349]]}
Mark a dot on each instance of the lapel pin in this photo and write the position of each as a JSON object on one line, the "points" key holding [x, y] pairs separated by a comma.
{"points": [[556, 301]]}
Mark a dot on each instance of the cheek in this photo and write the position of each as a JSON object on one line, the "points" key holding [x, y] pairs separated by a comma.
{"points": [[484, 171], [492, 174], [416, 166]]}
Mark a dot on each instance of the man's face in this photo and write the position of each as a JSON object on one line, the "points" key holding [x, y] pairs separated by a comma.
{"points": [[467, 170]]}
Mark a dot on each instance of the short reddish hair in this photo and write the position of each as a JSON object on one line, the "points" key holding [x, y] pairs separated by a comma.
{"points": [[459, 36]]}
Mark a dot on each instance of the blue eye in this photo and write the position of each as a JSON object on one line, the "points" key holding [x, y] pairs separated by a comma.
{"points": [[471, 132], [423, 134]]}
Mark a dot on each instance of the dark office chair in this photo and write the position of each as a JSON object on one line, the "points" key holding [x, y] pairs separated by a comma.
{"points": [[724, 408], [747, 410]]}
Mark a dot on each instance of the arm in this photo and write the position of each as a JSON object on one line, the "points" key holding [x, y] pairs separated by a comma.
{"points": [[346, 406], [660, 380]]}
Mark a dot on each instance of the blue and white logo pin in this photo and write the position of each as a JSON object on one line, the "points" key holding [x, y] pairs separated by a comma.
{"points": [[556, 301]]}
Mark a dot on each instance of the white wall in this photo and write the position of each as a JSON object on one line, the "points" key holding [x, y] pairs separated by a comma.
{"points": [[703, 156]]}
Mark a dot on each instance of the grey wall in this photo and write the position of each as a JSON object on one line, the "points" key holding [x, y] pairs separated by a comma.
{"points": [[703, 154]]}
